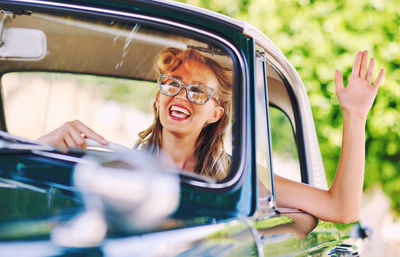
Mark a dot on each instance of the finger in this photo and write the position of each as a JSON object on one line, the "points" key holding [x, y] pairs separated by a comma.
{"points": [[370, 69], [363, 68], [63, 146], [379, 78], [77, 137], [89, 133], [356, 65], [338, 80], [61, 143], [69, 141]]}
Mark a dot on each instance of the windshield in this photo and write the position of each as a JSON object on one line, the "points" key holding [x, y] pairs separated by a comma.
{"points": [[106, 76]]}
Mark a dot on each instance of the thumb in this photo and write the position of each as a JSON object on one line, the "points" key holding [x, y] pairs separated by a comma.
{"points": [[338, 80]]}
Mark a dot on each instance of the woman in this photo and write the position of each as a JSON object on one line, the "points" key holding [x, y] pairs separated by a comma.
{"points": [[192, 111]]}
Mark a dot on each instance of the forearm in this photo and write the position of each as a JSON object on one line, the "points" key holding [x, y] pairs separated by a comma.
{"points": [[346, 190], [341, 202]]}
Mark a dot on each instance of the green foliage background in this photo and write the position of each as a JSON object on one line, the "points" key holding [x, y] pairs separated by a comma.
{"points": [[319, 36]]}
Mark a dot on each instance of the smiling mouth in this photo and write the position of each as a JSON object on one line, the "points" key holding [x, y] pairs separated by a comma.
{"points": [[179, 113]]}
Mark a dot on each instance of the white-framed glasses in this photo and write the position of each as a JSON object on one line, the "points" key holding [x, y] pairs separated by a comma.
{"points": [[197, 94]]}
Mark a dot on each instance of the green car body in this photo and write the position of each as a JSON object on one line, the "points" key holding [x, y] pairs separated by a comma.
{"points": [[38, 189]]}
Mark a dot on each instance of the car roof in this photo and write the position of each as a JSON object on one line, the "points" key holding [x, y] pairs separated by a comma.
{"points": [[203, 11], [246, 28]]}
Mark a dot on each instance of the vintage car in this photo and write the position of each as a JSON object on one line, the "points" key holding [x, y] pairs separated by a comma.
{"points": [[93, 61]]}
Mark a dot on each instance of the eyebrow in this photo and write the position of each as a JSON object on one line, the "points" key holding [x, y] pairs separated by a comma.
{"points": [[176, 77], [195, 82]]}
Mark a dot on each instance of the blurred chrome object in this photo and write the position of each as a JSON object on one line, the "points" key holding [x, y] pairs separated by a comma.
{"points": [[86, 230], [128, 192]]}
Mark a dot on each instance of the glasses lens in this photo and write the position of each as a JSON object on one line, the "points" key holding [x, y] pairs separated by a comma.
{"points": [[196, 93], [199, 94], [169, 86]]}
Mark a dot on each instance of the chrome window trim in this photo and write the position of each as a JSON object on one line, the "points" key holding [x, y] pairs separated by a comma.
{"points": [[241, 61]]}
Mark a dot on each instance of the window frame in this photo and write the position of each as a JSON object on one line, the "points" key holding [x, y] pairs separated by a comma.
{"points": [[297, 123], [268, 204], [239, 131]]}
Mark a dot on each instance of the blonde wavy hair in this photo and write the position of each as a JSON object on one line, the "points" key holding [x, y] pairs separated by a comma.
{"points": [[212, 160]]}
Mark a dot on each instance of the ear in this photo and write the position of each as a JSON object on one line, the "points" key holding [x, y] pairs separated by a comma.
{"points": [[216, 114]]}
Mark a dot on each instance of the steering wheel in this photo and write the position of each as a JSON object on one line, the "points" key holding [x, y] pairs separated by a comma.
{"points": [[113, 147]]}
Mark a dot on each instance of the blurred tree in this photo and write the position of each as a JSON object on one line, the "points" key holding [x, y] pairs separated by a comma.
{"points": [[319, 36]]}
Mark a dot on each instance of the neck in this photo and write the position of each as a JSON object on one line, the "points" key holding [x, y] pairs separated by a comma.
{"points": [[181, 149]]}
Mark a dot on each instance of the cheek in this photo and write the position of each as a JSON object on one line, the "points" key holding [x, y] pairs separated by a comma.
{"points": [[162, 101], [205, 112]]}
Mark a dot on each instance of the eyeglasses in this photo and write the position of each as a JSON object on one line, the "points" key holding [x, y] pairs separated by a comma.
{"points": [[197, 94]]}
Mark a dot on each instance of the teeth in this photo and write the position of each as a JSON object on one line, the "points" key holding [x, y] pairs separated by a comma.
{"points": [[179, 115], [178, 109]]}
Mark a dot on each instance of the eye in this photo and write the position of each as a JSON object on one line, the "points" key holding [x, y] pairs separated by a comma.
{"points": [[198, 90], [172, 83]]}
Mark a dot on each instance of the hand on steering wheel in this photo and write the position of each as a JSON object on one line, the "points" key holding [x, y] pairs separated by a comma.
{"points": [[72, 134]]}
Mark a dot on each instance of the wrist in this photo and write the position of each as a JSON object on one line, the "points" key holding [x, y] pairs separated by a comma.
{"points": [[354, 117]]}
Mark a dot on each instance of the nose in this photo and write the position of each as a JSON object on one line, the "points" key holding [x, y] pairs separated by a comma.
{"points": [[182, 94]]}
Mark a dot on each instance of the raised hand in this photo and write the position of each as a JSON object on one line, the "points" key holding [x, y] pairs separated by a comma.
{"points": [[72, 134], [359, 95]]}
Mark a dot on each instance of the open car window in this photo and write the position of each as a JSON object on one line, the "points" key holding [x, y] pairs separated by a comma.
{"points": [[285, 125], [103, 73]]}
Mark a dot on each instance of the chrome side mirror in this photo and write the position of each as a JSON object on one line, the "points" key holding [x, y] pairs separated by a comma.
{"points": [[129, 192]]}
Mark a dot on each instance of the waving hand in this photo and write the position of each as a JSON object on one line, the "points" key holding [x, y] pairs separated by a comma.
{"points": [[358, 96]]}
